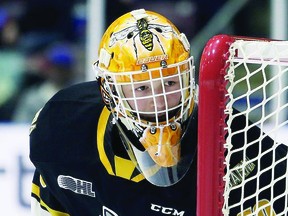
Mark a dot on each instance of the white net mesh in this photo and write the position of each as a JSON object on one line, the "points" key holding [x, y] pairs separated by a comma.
{"points": [[257, 86]]}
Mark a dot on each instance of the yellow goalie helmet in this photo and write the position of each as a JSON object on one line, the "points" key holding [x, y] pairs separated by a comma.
{"points": [[146, 77]]}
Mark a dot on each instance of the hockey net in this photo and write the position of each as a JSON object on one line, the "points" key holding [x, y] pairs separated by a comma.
{"points": [[250, 75]]}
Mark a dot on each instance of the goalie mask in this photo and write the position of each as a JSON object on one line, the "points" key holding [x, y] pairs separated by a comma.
{"points": [[146, 78]]}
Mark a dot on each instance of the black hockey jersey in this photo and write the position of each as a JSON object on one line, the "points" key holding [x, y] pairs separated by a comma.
{"points": [[82, 167]]}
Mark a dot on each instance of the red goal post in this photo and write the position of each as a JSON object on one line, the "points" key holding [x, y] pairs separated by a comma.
{"points": [[252, 75]]}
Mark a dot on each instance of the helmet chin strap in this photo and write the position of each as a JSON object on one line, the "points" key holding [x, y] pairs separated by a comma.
{"points": [[130, 126]]}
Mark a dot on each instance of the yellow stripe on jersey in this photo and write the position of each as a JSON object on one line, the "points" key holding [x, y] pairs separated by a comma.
{"points": [[42, 182], [128, 171], [36, 191], [100, 139], [124, 168]]}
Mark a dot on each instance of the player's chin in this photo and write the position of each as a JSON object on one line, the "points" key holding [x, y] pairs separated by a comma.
{"points": [[159, 118]]}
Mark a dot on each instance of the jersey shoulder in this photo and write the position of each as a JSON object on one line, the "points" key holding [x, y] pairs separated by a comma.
{"points": [[81, 92], [67, 125]]}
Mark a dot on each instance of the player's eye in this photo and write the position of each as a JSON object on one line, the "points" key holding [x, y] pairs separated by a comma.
{"points": [[169, 83], [141, 88]]}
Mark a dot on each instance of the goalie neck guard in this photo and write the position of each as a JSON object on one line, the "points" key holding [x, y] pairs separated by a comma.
{"points": [[146, 78]]}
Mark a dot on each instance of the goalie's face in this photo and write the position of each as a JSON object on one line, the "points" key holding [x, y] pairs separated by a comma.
{"points": [[153, 99], [147, 81]]}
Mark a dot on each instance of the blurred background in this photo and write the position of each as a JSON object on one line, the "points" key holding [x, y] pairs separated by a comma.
{"points": [[47, 45]]}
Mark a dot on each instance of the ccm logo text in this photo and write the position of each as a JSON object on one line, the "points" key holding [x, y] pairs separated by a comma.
{"points": [[166, 210]]}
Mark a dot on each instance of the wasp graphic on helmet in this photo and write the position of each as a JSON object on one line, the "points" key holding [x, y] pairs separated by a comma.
{"points": [[145, 30]]}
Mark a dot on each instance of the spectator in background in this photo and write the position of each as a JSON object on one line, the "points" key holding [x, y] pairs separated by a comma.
{"points": [[58, 68], [11, 60]]}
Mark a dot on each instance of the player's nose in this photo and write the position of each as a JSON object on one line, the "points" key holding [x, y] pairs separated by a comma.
{"points": [[160, 102]]}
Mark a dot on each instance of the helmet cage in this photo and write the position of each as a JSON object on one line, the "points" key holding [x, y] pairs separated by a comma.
{"points": [[120, 105]]}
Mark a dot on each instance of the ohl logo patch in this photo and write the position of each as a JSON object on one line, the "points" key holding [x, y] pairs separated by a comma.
{"points": [[76, 185]]}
